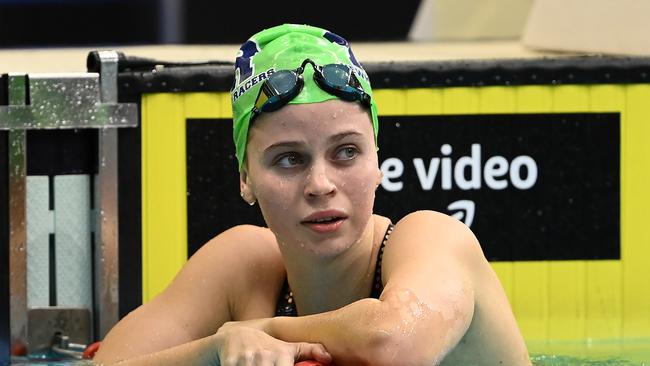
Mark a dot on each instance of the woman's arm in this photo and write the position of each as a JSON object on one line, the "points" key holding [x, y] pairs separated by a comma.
{"points": [[425, 309], [227, 348], [199, 352], [202, 297]]}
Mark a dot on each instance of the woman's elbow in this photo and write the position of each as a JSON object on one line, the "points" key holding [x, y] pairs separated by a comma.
{"points": [[405, 340], [397, 348]]}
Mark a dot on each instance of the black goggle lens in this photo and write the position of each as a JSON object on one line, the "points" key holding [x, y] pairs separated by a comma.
{"points": [[336, 74], [283, 81]]}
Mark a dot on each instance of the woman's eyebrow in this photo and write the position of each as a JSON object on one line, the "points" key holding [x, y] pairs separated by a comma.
{"points": [[293, 144], [298, 143], [342, 135]]}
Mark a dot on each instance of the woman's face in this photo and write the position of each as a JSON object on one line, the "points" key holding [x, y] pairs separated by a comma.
{"points": [[313, 170]]}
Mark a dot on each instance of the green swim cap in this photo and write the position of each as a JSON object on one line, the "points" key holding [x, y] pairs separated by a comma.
{"points": [[285, 47]]}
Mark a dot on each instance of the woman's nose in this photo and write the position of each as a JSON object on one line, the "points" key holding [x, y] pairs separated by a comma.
{"points": [[318, 181]]}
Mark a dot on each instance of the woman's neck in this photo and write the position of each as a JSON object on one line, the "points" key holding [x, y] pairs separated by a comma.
{"points": [[320, 286]]}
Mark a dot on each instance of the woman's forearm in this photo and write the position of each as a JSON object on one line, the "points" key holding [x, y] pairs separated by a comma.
{"points": [[203, 351], [363, 332], [397, 330]]}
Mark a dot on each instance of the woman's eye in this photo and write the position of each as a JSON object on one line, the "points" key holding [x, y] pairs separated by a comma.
{"points": [[288, 160], [347, 153]]}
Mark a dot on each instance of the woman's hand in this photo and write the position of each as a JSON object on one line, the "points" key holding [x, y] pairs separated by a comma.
{"points": [[246, 343]]}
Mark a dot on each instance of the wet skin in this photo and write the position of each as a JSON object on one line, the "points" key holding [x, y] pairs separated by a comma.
{"points": [[313, 170]]}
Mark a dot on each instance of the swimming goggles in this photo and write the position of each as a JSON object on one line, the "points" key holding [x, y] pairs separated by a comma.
{"points": [[282, 86]]}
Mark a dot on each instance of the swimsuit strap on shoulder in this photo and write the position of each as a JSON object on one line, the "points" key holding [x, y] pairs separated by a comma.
{"points": [[378, 286]]}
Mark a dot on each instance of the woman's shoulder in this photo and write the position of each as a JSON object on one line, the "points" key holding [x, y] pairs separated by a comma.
{"points": [[229, 257], [433, 228], [248, 242], [246, 263], [427, 218]]}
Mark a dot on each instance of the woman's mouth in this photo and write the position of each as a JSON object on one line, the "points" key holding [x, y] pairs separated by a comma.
{"points": [[325, 221]]}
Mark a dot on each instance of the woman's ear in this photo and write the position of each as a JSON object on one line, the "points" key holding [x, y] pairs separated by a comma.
{"points": [[245, 188], [380, 176]]}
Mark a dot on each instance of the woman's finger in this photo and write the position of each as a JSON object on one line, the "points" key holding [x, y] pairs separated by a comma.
{"points": [[312, 351]]}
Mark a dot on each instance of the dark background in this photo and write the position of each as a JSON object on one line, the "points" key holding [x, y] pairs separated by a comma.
{"points": [[46, 23], [572, 212]]}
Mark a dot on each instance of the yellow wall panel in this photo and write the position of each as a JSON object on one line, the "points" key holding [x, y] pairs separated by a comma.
{"points": [[462, 100], [567, 299], [497, 99], [423, 101], [530, 298], [604, 301], [635, 253], [607, 98], [571, 98], [202, 105], [226, 106], [534, 99], [164, 198], [604, 278], [390, 102], [504, 272]]}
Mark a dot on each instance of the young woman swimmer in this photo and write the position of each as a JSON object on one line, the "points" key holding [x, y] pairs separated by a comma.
{"points": [[328, 280]]}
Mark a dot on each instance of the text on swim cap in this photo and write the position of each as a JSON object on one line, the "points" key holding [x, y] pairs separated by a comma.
{"points": [[246, 85]]}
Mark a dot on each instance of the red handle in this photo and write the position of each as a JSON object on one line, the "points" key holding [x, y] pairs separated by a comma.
{"points": [[18, 349], [90, 351]]}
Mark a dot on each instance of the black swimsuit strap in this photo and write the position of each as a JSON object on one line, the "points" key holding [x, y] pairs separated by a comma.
{"points": [[378, 286], [287, 307]]}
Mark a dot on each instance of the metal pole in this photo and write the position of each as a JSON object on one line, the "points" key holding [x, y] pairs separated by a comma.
{"points": [[17, 220], [106, 255], [171, 22]]}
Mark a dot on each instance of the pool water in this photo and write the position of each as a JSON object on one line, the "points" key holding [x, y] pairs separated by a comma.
{"points": [[613, 352], [32, 362]]}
